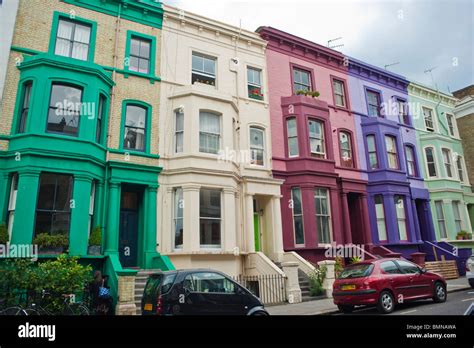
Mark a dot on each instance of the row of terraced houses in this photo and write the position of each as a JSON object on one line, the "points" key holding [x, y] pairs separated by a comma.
{"points": [[193, 143]]}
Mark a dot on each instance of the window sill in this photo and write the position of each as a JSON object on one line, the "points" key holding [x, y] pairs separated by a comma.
{"points": [[133, 153]]}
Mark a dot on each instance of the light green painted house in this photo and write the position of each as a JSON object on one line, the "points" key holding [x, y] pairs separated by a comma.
{"points": [[442, 163]]}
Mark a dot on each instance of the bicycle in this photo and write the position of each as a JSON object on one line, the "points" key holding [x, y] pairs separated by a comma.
{"points": [[68, 308]]}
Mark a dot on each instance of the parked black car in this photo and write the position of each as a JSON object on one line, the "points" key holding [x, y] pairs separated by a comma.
{"points": [[197, 292]]}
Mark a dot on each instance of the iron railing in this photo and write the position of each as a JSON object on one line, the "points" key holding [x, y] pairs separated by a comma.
{"points": [[270, 288]]}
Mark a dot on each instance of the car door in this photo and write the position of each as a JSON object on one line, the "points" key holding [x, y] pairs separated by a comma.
{"points": [[396, 280], [213, 293], [420, 286]]}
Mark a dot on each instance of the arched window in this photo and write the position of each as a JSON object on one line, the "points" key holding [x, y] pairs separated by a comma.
{"points": [[135, 131], [257, 146], [345, 146]]}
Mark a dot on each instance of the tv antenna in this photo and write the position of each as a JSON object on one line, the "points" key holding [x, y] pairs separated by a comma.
{"points": [[335, 46], [391, 64]]}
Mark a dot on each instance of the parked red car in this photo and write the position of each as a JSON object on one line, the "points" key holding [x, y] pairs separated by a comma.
{"points": [[384, 283]]}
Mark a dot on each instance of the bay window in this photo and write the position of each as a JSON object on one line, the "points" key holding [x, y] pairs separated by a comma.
{"points": [[447, 162], [316, 138], [345, 145], [392, 155], [372, 152], [209, 132], [64, 109], [401, 218], [293, 149]]}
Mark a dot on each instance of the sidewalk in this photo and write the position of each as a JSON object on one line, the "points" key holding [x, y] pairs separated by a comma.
{"points": [[326, 306]]}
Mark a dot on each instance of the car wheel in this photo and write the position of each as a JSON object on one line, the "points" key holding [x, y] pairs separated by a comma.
{"points": [[345, 308], [260, 314], [386, 303], [439, 293]]}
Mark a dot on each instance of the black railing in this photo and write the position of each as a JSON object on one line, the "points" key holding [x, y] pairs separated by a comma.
{"points": [[270, 288]]}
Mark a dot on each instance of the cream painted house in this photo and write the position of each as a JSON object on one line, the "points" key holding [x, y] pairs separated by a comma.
{"points": [[219, 204]]}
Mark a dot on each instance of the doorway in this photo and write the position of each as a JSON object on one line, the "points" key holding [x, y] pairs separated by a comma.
{"points": [[421, 212], [129, 228], [355, 218], [257, 227]]}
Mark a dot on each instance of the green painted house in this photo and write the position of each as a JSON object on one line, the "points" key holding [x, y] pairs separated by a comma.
{"points": [[78, 134], [443, 165]]}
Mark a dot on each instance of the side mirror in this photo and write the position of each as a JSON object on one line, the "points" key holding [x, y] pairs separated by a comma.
{"points": [[423, 270]]}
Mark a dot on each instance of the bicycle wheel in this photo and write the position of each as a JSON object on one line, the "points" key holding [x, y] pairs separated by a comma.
{"points": [[14, 311], [79, 309]]}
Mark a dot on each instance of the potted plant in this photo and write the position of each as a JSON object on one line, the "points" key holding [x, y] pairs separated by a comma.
{"points": [[95, 241], [51, 244], [3, 234], [255, 93], [308, 93], [463, 235]]}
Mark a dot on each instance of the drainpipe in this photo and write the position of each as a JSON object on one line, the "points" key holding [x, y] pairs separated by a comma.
{"points": [[243, 239], [112, 99]]}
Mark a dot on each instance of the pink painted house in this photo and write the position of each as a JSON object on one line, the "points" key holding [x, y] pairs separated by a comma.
{"points": [[314, 140]]}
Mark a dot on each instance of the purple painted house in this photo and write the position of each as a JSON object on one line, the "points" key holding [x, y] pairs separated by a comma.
{"points": [[399, 203]]}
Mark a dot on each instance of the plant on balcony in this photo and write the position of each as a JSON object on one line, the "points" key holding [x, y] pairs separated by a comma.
{"points": [[3, 233], [313, 94], [51, 244], [255, 93], [463, 235], [316, 281], [95, 241]]}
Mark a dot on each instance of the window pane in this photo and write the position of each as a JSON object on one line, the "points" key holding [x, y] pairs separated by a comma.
{"points": [[82, 34], [256, 137], [291, 123], [401, 217], [134, 139], [65, 29], [65, 108], [145, 49], [299, 231], [143, 66], [371, 143], [210, 66], [296, 196], [210, 203], [380, 215], [135, 47], [136, 116]]}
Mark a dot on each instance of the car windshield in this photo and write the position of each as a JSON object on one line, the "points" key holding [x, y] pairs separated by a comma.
{"points": [[356, 271]]}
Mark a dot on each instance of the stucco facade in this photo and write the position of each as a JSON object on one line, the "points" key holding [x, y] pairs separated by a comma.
{"points": [[445, 171], [221, 182], [325, 183], [398, 200]]}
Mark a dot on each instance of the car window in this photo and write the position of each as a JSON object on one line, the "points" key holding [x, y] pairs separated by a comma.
{"points": [[389, 267], [356, 271], [167, 283], [209, 282], [408, 267]]}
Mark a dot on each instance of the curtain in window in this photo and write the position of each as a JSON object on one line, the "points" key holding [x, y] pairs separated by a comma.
{"points": [[81, 42], [209, 137], [63, 42]]}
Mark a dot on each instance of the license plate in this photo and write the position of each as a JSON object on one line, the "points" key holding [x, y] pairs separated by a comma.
{"points": [[148, 307], [348, 287]]}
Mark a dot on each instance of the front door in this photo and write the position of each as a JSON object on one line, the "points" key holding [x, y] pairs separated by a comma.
{"points": [[128, 242], [256, 229]]}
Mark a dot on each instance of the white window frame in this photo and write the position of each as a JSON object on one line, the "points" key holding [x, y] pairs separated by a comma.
{"points": [[450, 163], [334, 82], [435, 161], [431, 129], [397, 155], [219, 135], [257, 148], [288, 137], [403, 219], [322, 139], [460, 160], [253, 84], [300, 214], [441, 220], [453, 125], [178, 131], [175, 217], [202, 72], [328, 215], [221, 220], [410, 148], [381, 219], [457, 208]]}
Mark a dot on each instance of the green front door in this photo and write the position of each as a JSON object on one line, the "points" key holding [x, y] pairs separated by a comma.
{"points": [[256, 229]]}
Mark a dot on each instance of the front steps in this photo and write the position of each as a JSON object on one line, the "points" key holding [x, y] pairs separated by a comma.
{"points": [[304, 286]]}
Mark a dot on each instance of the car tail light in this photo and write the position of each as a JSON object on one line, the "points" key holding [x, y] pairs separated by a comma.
{"points": [[159, 305], [367, 284]]}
